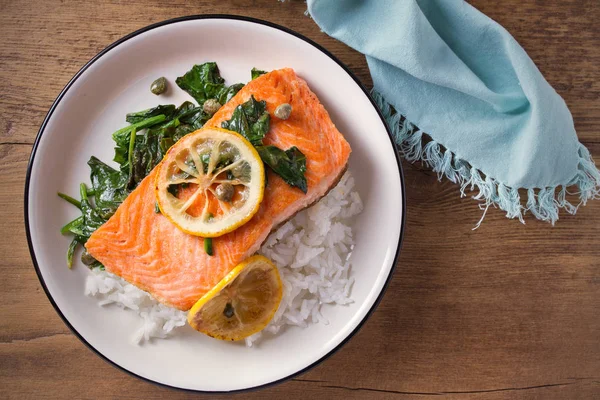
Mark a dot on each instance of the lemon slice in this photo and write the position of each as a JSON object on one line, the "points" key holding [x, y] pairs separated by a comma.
{"points": [[210, 182], [241, 304]]}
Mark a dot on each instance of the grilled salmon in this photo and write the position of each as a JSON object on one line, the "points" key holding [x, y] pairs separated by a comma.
{"points": [[146, 249]]}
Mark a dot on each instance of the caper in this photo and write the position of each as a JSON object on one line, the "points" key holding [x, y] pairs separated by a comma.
{"points": [[159, 86], [211, 106], [226, 156], [228, 311], [283, 111], [241, 171], [225, 192], [87, 258]]}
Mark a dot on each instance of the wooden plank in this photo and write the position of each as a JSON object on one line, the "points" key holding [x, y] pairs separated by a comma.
{"points": [[505, 311]]}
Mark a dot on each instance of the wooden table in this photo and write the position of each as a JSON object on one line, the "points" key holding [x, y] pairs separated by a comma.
{"points": [[506, 311]]}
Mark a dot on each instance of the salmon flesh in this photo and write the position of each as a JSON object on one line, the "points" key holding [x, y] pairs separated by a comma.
{"points": [[146, 249]]}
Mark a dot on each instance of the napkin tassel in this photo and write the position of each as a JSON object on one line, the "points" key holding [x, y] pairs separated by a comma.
{"points": [[544, 204]]}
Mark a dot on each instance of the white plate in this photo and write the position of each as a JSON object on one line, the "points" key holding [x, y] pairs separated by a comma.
{"points": [[93, 105]]}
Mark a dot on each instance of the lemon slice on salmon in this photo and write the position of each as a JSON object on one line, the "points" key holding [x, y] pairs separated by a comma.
{"points": [[241, 304], [210, 182]]}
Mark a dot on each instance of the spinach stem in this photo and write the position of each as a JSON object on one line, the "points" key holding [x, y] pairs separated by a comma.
{"points": [[142, 124], [71, 200], [83, 192], [208, 246], [67, 228], [208, 243], [70, 252], [130, 155]]}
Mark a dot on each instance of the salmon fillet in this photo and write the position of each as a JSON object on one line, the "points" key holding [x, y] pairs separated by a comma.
{"points": [[147, 250]]}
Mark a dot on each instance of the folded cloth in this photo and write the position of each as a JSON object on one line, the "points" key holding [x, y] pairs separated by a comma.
{"points": [[493, 123]]}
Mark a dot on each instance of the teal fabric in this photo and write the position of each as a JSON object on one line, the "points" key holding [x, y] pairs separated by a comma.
{"points": [[494, 123], [465, 81]]}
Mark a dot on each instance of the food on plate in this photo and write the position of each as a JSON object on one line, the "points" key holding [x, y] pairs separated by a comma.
{"points": [[313, 252], [242, 304], [140, 146], [159, 86], [188, 205], [210, 182], [211, 106], [283, 111], [148, 250], [255, 73]]}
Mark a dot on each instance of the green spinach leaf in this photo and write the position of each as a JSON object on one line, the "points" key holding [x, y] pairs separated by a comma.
{"points": [[110, 187], [186, 109], [256, 73], [90, 220], [167, 110], [250, 119], [289, 164], [82, 227], [122, 135], [196, 119], [202, 82], [225, 94]]}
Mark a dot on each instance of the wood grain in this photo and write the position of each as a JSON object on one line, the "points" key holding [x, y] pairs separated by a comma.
{"points": [[508, 311]]}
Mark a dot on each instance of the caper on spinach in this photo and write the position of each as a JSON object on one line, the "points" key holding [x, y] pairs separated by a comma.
{"points": [[211, 106]]}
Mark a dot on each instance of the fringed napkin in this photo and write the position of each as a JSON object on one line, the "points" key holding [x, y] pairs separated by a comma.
{"points": [[487, 119]]}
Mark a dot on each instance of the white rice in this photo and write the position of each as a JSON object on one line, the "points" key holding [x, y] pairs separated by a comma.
{"points": [[312, 251], [158, 320]]}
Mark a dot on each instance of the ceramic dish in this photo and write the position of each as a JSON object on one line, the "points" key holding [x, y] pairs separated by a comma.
{"points": [[92, 106]]}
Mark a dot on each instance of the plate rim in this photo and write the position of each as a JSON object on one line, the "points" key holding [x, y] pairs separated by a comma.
{"points": [[169, 22]]}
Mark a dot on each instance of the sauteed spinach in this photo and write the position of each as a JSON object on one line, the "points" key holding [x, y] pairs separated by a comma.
{"points": [[141, 145]]}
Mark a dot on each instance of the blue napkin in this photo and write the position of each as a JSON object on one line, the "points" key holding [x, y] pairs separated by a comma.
{"points": [[493, 123]]}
